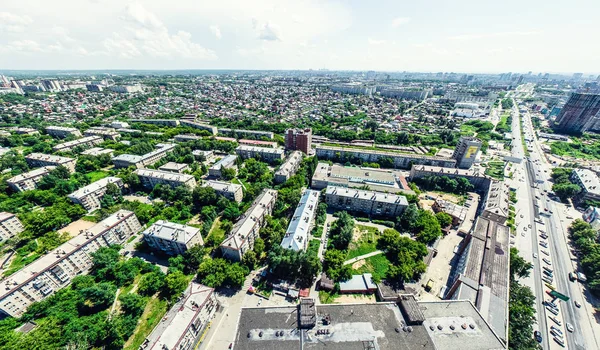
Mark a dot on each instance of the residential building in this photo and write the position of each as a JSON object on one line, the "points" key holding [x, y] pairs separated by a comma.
{"points": [[175, 167], [53, 271], [268, 155], [186, 138], [25, 131], [10, 226], [29, 180], [366, 202], [84, 142], [185, 322], [475, 176], [4, 150], [62, 132], [228, 190], [497, 203], [457, 212], [246, 230], [289, 167], [164, 122], [91, 195], [354, 88], [400, 160], [192, 124], [258, 143], [226, 162], [359, 284], [127, 160], [126, 89], [172, 238], [589, 183], [119, 125], [466, 151], [98, 151], [381, 180], [299, 140], [579, 114], [151, 178], [42, 160], [200, 154], [404, 94], [240, 132], [302, 222], [105, 133]]}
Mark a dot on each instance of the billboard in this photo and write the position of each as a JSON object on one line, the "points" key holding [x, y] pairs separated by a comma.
{"points": [[471, 151]]}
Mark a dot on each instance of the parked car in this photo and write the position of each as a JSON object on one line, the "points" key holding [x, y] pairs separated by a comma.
{"points": [[578, 304], [538, 336]]}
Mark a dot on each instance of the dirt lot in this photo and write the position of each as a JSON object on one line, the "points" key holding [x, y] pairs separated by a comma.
{"points": [[355, 298], [426, 203], [76, 227]]}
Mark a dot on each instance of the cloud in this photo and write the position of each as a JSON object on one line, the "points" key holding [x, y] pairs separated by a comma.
{"points": [[216, 31], [10, 22], [398, 21], [137, 13], [377, 42], [267, 31], [121, 46], [492, 35], [22, 46]]}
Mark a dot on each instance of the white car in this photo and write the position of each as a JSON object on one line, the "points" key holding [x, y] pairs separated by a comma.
{"points": [[569, 327], [534, 255], [578, 304]]}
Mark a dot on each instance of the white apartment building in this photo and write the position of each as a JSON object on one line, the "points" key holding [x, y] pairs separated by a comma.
{"points": [[246, 230], [97, 151], [29, 180], [187, 320], [62, 132], [289, 168], [91, 195], [88, 141], [127, 160], [269, 155], [226, 162], [10, 226], [367, 202], [41, 160], [172, 238], [105, 133], [296, 235], [175, 167], [53, 271], [228, 190], [119, 125], [151, 178]]}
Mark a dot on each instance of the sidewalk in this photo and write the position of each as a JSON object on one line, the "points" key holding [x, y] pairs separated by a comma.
{"points": [[358, 258]]}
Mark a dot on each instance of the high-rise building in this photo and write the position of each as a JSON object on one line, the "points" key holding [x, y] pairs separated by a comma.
{"points": [[298, 140], [466, 151], [578, 114]]}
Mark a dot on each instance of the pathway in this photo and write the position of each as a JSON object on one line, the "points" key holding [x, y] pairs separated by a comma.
{"points": [[358, 258]]}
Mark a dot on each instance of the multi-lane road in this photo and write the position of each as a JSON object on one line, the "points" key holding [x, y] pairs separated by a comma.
{"points": [[537, 213]]}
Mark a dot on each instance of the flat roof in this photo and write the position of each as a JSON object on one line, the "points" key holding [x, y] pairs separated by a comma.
{"points": [[172, 231], [222, 186], [381, 152], [94, 186], [286, 168], [33, 173], [5, 216], [362, 282], [297, 232], [497, 198], [260, 149], [225, 161], [77, 142], [589, 180], [474, 172], [60, 128], [131, 158], [366, 195], [49, 158], [173, 166], [167, 175], [97, 151]]}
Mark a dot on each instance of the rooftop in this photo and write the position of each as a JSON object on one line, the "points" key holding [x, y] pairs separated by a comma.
{"points": [[131, 158], [172, 231], [172, 166], [373, 150], [94, 186], [77, 142], [34, 173], [49, 158], [475, 172], [297, 232], [225, 161], [589, 180], [5, 216], [247, 148], [166, 175], [96, 151], [292, 161], [223, 186], [366, 195]]}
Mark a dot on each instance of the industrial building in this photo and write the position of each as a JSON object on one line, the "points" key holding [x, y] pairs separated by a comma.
{"points": [[381, 180], [172, 238], [183, 325], [29, 180], [289, 167], [151, 178], [91, 195], [299, 140], [268, 155], [466, 152], [579, 114], [84, 142], [401, 160], [226, 162], [62, 132], [246, 230], [367, 202], [228, 190], [10, 226], [302, 222], [53, 271], [42, 160]]}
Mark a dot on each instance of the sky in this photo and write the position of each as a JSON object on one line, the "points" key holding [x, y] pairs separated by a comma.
{"points": [[479, 36]]}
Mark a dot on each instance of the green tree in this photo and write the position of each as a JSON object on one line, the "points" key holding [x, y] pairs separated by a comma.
{"points": [[175, 283], [334, 265], [204, 196], [132, 304], [342, 231], [228, 173], [566, 190], [444, 219], [151, 283], [519, 268]]}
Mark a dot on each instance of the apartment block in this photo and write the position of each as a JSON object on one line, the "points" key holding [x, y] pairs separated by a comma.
{"points": [[186, 138], [367, 202], [589, 183], [228, 190], [258, 143], [175, 167], [10, 226], [164, 122], [298, 140], [185, 322], [401, 160], [200, 154], [84, 142], [296, 235], [42, 160], [62, 132], [29, 180], [53, 271], [105, 133], [127, 160], [192, 124], [466, 152], [289, 167], [246, 230], [151, 178], [580, 113], [98, 151], [172, 238], [26, 131], [226, 162], [119, 125], [90, 196], [268, 155], [238, 133]]}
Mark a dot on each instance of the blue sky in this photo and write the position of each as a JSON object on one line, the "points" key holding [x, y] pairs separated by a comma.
{"points": [[435, 35]]}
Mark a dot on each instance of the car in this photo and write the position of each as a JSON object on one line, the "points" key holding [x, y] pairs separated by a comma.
{"points": [[555, 320], [521, 216], [553, 327], [524, 228], [552, 310], [559, 341], [529, 225], [534, 255], [578, 304], [545, 252], [569, 327], [547, 261], [546, 268], [537, 335]]}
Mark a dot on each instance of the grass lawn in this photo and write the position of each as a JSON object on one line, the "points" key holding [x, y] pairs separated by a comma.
{"points": [[377, 265], [366, 243], [327, 297], [96, 175], [90, 218], [495, 170], [153, 313]]}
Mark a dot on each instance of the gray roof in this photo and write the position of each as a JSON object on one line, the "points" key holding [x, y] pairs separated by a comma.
{"points": [[362, 282], [589, 180], [172, 231], [225, 161], [367, 195], [297, 232]]}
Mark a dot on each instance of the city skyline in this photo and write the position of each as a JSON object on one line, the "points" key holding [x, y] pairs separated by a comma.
{"points": [[271, 35]]}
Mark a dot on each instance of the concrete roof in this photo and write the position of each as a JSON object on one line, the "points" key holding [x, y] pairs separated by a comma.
{"points": [[225, 161], [5, 216], [170, 166], [381, 152], [362, 282], [96, 151], [94, 186], [297, 232], [367, 195], [172, 231], [222, 186], [49, 158], [589, 180], [293, 160], [167, 175], [131, 158], [33, 173], [260, 149]]}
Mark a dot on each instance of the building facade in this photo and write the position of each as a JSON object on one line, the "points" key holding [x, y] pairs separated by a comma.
{"points": [[579, 114], [42, 160], [127, 160], [289, 167], [172, 238], [246, 230], [105, 133], [589, 183], [10, 226], [29, 180], [228, 190], [91, 195], [192, 124], [174, 167], [268, 155], [367, 202], [62, 132], [227, 162], [299, 140], [238, 133], [53, 271], [84, 142], [151, 178], [466, 152]]}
